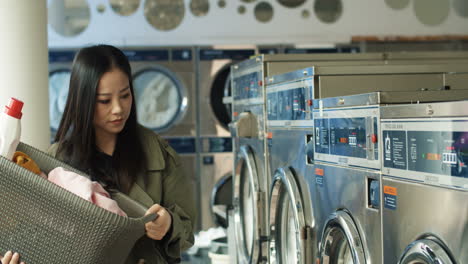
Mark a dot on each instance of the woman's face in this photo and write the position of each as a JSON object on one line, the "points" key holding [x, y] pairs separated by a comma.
{"points": [[113, 103]]}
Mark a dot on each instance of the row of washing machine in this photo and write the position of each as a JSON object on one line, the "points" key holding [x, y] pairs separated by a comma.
{"points": [[357, 158]]}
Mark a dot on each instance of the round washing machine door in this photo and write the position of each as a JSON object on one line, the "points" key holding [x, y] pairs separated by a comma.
{"points": [[289, 239], [427, 250], [248, 207], [160, 98], [220, 96], [59, 81], [341, 242]]}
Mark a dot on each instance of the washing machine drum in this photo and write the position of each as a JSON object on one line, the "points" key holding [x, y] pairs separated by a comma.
{"points": [[158, 97], [58, 93]]}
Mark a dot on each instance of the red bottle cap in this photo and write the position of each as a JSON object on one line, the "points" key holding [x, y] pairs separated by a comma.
{"points": [[14, 108]]}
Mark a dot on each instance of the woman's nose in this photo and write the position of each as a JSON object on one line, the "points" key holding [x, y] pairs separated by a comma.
{"points": [[116, 107]]}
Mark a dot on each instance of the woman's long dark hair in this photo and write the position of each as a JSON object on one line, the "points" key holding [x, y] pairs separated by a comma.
{"points": [[76, 135]]}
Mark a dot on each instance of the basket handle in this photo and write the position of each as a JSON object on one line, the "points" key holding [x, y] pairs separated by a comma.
{"points": [[149, 217]]}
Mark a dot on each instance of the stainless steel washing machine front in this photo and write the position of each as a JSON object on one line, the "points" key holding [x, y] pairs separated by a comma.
{"points": [[60, 63], [292, 222], [350, 208], [251, 185], [425, 186], [292, 217]]}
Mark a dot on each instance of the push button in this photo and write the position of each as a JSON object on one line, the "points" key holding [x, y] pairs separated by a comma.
{"points": [[374, 138]]}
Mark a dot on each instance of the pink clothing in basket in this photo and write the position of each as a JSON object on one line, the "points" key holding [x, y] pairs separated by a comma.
{"points": [[85, 188]]}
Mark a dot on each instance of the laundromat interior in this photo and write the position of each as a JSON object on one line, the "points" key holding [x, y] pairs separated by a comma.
{"points": [[311, 131]]}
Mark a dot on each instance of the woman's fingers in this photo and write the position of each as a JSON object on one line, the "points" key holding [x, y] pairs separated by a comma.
{"points": [[15, 258], [158, 228], [10, 258], [6, 259]]}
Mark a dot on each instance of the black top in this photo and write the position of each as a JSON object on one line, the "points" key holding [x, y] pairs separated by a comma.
{"points": [[103, 170]]}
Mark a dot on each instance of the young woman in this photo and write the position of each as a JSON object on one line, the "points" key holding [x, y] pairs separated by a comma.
{"points": [[99, 134]]}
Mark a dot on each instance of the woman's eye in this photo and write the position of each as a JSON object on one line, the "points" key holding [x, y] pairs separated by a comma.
{"points": [[103, 101], [125, 96]]}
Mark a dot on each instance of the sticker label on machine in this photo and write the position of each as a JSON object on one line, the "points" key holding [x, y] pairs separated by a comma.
{"points": [[436, 152], [390, 197], [319, 176]]}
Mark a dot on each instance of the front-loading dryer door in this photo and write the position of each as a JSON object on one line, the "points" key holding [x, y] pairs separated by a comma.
{"points": [[289, 233], [429, 250], [160, 98], [341, 242], [248, 207]]}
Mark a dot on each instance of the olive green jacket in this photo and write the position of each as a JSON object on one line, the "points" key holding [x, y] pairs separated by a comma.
{"points": [[169, 187]]}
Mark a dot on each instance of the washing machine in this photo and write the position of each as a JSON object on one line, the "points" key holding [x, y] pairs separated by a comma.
{"points": [[214, 115], [346, 136], [425, 182], [350, 228], [292, 204], [250, 186], [292, 223], [164, 81], [60, 63]]}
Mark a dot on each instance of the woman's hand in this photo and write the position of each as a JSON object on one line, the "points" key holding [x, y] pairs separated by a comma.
{"points": [[158, 228], [10, 258]]}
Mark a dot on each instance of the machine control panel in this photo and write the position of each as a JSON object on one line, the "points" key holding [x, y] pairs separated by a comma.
{"points": [[182, 145], [347, 140], [287, 104], [248, 86], [435, 152]]}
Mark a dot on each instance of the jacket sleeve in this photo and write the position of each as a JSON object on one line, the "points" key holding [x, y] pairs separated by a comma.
{"points": [[178, 199]]}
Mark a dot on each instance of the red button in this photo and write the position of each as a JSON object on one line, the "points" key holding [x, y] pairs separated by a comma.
{"points": [[310, 102], [260, 83], [374, 138]]}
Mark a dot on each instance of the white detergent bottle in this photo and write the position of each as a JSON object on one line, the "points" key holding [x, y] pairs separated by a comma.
{"points": [[10, 128]]}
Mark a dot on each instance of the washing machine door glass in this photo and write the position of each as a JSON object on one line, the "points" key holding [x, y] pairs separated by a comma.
{"points": [[287, 220], [220, 96], [158, 98], [247, 215], [428, 250], [341, 242], [58, 93]]}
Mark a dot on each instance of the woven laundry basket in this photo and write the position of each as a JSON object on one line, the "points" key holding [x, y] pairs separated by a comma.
{"points": [[48, 224]]}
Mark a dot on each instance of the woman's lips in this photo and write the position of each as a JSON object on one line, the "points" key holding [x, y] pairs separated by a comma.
{"points": [[117, 121]]}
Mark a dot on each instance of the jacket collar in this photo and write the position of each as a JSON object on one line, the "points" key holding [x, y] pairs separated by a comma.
{"points": [[153, 149]]}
